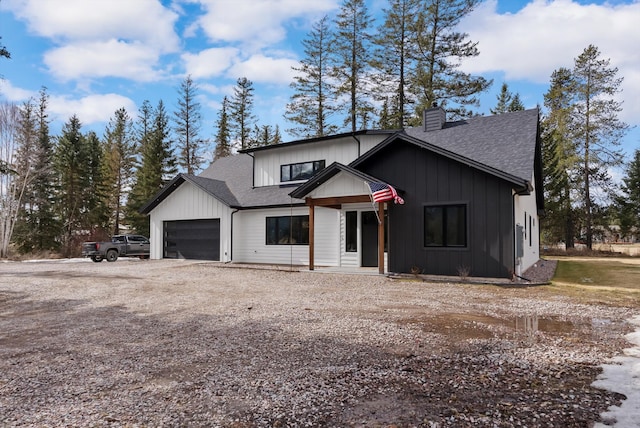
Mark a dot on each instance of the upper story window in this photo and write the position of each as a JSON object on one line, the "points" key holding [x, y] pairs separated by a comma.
{"points": [[300, 171]]}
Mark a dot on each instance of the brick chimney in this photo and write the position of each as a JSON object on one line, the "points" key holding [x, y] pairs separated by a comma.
{"points": [[434, 118]]}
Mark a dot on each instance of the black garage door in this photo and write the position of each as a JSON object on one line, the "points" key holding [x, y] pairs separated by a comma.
{"points": [[192, 239]]}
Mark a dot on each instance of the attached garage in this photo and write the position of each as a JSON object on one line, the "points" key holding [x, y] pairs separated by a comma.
{"points": [[192, 239]]}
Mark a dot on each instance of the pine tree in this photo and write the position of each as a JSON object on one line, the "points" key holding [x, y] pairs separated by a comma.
{"points": [[241, 112], [157, 163], [507, 101], [351, 52], [162, 147], [119, 162], [504, 100], [96, 194], [72, 164], [438, 78], [559, 161], [45, 185], [188, 122], [311, 104], [223, 134], [266, 135], [628, 202], [143, 130], [27, 148], [597, 128], [394, 60], [516, 103], [277, 136]]}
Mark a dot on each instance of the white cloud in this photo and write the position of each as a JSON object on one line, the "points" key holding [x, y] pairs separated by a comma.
{"points": [[96, 108], [110, 58], [209, 62], [143, 20], [14, 94], [101, 38], [257, 23], [263, 69], [548, 34]]}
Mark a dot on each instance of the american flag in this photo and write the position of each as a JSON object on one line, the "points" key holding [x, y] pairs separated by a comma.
{"points": [[381, 192]]}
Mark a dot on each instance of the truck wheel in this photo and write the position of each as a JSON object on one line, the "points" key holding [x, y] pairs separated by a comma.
{"points": [[96, 259], [112, 255]]}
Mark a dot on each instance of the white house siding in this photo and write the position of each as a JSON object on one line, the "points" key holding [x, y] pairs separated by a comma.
{"points": [[367, 142], [189, 202], [341, 184], [249, 238], [526, 215], [343, 150]]}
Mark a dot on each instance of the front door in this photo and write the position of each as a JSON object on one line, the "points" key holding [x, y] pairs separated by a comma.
{"points": [[369, 239]]}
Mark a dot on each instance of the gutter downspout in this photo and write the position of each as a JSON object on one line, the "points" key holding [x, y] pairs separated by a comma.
{"points": [[359, 143], [517, 268], [253, 170]]}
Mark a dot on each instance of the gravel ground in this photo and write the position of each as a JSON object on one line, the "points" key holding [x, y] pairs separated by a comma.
{"points": [[177, 343]]}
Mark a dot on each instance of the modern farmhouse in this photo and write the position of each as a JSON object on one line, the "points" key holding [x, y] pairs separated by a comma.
{"points": [[463, 196]]}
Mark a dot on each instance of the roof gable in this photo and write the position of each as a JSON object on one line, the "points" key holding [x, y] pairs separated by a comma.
{"points": [[502, 145], [504, 142], [327, 174], [216, 188]]}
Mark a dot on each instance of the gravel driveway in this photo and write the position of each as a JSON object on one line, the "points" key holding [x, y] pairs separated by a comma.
{"points": [[180, 343]]}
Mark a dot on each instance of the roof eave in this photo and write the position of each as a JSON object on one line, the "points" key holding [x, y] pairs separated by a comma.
{"points": [[162, 194]]}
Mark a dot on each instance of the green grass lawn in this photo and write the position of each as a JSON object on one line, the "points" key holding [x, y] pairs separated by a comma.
{"points": [[598, 273], [615, 281]]}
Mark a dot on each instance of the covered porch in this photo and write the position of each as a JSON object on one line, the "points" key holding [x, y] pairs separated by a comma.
{"points": [[363, 224]]}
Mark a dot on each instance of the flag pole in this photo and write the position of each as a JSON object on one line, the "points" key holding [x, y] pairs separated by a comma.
{"points": [[373, 204]]}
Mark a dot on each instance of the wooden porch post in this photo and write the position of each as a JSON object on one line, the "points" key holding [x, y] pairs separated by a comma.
{"points": [[381, 238], [311, 234]]}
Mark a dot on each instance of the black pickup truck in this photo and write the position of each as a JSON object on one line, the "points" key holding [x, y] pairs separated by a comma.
{"points": [[119, 246]]}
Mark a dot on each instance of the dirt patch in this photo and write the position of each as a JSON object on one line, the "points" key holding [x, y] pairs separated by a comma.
{"points": [[151, 343]]}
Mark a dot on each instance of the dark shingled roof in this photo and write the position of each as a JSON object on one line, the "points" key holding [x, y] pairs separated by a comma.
{"points": [[229, 180], [237, 171], [503, 145], [505, 142]]}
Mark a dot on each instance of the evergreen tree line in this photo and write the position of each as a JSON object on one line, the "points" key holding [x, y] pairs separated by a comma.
{"points": [[57, 191], [581, 135], [61, 190], [357, 75]]}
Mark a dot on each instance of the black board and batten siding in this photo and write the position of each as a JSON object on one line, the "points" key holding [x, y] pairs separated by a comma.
{"points": [[427, 178]]}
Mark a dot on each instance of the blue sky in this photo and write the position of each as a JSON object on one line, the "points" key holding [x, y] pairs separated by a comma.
{"points": [[97, 56]]}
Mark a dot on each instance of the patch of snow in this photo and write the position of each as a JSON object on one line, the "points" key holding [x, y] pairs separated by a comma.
{"points": [[623, 376]]}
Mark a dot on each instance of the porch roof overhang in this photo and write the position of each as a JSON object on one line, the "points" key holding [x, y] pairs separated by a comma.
{"points": [[323, 177]]}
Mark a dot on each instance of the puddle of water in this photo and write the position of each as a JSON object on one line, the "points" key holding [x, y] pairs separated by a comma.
{"points": [[476, 326], [530, 324]]}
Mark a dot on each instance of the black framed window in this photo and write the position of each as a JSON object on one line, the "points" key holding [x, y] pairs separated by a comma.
{"points": [[445, 226], [300, 171], [288, 230], [351, 231]]}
